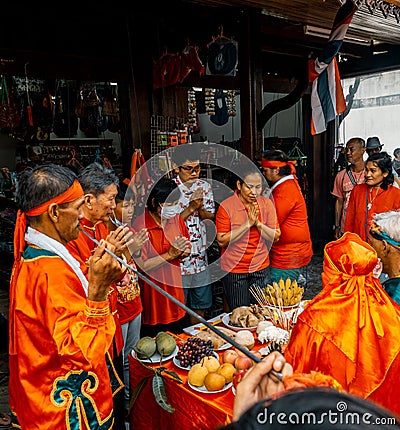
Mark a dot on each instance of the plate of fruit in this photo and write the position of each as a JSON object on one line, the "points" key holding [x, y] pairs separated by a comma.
{"points": [[192, 351], [209, 376], [155, 350], [204, 389]]}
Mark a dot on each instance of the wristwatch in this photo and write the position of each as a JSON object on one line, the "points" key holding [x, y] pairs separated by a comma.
{"points": [[335, 227]]}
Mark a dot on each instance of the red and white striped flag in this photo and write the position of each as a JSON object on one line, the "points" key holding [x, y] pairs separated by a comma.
{"points": [[327, 98]]}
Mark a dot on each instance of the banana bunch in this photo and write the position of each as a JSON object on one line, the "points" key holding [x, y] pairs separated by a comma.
{"points": [[284, 293]]}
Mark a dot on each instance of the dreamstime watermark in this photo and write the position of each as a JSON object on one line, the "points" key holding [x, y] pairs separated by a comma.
{"points": [[340, 416]]}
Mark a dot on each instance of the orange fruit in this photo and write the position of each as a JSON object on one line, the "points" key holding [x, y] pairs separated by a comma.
{"points": [[227, 370], [214, 381], [210, 362], [196, 374]]}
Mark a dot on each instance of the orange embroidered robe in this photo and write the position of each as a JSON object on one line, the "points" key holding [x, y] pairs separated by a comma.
{"points": [[59, 375], [351, 329]]}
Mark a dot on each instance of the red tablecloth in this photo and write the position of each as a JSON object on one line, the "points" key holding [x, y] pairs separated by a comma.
{"points": [[193, 410]]}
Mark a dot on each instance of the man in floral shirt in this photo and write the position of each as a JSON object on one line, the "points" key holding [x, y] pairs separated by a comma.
{"points": [[196, 205]]}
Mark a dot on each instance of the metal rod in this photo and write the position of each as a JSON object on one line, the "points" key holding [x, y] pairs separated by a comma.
{"points": [[229, 340]]}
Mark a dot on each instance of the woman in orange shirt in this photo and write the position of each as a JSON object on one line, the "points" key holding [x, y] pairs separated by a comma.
{"points": [[294, 250], [246, 227], [377, 195]]}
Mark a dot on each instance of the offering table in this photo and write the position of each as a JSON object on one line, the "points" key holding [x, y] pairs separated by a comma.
{"points": [[193, 410]]}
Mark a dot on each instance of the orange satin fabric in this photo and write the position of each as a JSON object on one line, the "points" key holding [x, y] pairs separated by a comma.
{"points": [[351, 329], [192, 410]]}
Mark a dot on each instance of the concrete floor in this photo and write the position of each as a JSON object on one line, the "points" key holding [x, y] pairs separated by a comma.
{"points": [[313, 287]]}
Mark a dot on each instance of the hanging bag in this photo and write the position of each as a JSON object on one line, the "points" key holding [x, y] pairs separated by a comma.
{"points": [[9, 113]]}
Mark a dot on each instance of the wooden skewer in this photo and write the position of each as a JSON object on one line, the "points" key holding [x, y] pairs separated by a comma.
{"points": [[229, 340]]}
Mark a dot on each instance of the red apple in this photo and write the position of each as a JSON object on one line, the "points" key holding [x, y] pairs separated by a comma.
{"points": [[229, 356], [243, 363], [237, 377]]}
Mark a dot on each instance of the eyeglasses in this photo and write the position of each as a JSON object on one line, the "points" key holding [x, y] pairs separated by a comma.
{"points": [[190, 169]]}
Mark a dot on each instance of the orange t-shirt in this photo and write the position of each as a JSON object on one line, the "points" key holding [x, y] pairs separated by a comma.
{"points": [[294, 248], [158, 309], [250, 252]]}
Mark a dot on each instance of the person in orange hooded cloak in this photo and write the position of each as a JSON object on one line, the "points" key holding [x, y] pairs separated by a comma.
{"points": [[351, 329]]}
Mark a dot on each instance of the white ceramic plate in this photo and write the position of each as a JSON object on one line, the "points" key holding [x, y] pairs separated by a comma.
{"points": [[155, 358], [224, 346], [194, 329], [226, 322], [203, 389], [177, 362]]}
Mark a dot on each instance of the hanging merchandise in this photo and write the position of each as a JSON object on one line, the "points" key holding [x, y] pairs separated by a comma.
{"points": [[209, 101], [171, 69], [221, 116], [109, 104], [222, 56], [35, 101], [231, 102], [191, 62], [28, 98], [9, 112], [142, 181], [65, 121], [192, 111], [89, 111]]}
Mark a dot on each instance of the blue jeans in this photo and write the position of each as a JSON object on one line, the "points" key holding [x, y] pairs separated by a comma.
{"points": [[131, 335], [197, 288]]}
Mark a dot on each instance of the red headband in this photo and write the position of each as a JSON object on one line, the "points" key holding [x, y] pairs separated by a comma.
{"points": [[273, 164], [72, 193]]}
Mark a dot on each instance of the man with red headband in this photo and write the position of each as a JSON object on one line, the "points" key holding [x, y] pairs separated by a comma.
{"points": [[60, 325], [294, 250], [99, 183]]}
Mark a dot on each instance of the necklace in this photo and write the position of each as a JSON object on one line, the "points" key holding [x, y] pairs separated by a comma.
{"points": [[369, 206]]}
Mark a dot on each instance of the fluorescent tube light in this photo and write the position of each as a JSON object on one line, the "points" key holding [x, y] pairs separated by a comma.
{"points": [[325, 32]]}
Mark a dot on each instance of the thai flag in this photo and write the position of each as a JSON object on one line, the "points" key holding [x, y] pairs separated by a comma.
{"points": [[327, 98]]}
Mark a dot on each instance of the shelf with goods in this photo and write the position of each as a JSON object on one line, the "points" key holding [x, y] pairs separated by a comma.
{"points": [[76, 152]]}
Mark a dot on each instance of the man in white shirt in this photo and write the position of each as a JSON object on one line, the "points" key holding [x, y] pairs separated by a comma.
{"points": [[196, 205]]}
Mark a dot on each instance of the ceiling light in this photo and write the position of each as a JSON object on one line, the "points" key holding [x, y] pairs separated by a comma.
{"points": [[325, 33]]}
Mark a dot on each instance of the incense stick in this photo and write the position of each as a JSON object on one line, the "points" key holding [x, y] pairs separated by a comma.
{"points": [[229, 340]]}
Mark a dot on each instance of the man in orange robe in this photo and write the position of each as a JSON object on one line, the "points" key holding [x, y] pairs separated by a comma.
{"points": [[99, 184], [351, 329], [60, 325]]}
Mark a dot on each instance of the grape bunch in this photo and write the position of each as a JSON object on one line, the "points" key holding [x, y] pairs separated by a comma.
{"points": [[193, 350]]}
